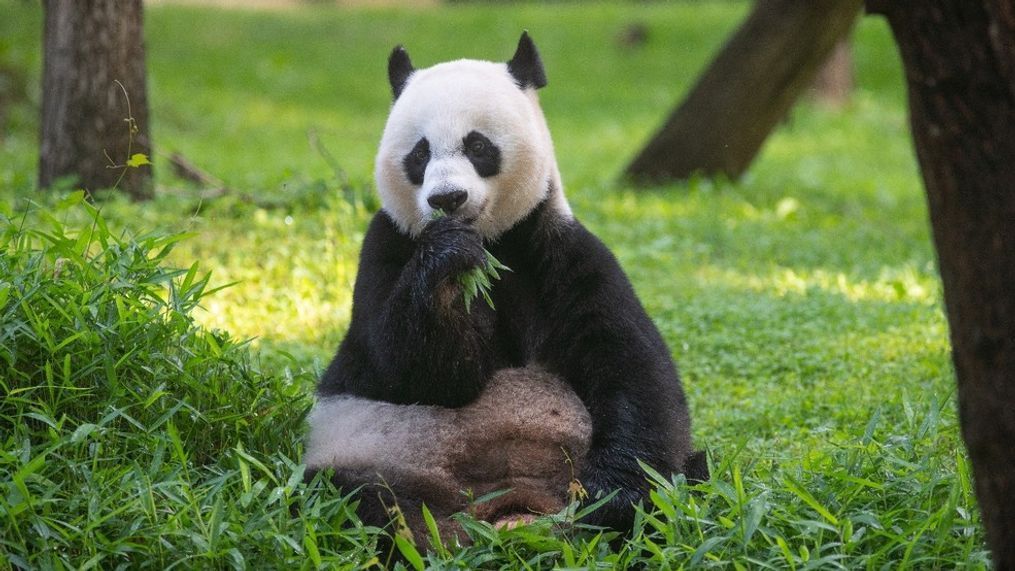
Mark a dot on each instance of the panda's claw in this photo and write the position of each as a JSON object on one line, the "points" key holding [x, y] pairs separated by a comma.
{"points": [[452, 245]]}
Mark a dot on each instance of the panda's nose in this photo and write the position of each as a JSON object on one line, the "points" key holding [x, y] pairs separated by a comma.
{"points": [[448, 201]]}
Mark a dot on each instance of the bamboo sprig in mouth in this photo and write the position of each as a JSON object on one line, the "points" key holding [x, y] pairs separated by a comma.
{"points": [[478, 281]]}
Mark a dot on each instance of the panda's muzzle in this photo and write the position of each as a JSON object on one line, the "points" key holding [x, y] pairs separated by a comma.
{"points": [[448, 201]]}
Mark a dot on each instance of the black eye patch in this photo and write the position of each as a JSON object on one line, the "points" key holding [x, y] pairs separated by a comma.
{"points": [[415, 162], [482, 153]]}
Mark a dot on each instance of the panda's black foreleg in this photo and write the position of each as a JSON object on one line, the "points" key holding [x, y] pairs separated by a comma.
{"points": [[617, 513], [422, 343], [627, 433], [600, 340], [639, 415]]}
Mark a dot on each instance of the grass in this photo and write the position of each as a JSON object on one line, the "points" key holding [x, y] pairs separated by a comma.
{"points": [[139, 428]]}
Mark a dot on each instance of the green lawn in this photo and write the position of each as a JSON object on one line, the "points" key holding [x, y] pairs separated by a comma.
{"points": [[801, 303]]}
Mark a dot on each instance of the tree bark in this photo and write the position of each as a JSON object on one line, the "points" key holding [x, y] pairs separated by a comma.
{"points": [[86, 125], [747, 90], [959, 57], [834, 82]]}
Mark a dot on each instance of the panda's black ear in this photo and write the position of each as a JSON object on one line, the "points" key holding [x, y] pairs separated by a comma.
{"points": [[525, 66], [399, 70]]}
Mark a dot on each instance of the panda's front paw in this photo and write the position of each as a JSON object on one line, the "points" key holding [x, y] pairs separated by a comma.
{"points": [[451, 246]]}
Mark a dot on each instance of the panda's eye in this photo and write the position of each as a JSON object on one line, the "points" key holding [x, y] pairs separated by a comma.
{"points": [[482, 153], [414, 163]]}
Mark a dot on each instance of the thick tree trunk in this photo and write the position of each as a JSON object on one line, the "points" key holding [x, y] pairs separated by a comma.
{"points": [[746, 91], [959, 57], [88, 46], [834, 82]]}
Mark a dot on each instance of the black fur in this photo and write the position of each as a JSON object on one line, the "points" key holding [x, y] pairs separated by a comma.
{"points": [[482, 153], [399, 70], [411, 340], [415, 162], [566, 305], [526, 66]]}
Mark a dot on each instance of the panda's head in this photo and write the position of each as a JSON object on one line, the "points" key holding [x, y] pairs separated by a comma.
{"points": [[467, 137]]}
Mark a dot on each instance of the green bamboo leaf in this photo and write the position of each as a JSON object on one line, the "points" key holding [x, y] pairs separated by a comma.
{"points": [[478, 281], [435, 535], [810, 500], [410, 553], [72, 199]]}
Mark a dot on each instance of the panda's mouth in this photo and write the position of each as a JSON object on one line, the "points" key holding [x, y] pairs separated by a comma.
{"points": [[468, 214], [469, 219], [477, 213], [472, 216]]}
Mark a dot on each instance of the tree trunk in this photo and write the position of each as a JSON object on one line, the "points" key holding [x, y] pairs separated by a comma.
{"points": [[88, 46], [959, 57], [834, 82], [747, 90]]}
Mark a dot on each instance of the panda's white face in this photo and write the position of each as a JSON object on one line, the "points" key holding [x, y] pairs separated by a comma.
{"points": [[462, 137]]}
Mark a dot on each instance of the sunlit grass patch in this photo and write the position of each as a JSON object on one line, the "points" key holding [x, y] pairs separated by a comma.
{"points": [[293, 282], [903, 284]]}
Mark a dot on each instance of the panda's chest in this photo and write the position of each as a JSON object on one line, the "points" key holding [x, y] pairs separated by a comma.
{"points": [[519, 327]]}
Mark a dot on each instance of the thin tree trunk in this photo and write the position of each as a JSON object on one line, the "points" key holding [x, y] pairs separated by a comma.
{"points": [[959, 57], [747, 90], [88, 46]]}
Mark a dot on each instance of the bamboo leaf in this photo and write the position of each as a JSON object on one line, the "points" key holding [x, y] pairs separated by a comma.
{"points": [[410, 553]]}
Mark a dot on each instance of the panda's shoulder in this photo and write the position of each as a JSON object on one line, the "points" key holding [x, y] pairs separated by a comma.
{"points": [[383, 225], [384, 239], [571, 236]]}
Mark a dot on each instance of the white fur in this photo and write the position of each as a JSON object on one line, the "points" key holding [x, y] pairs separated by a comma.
{"points": [[354, 432], [521, 405], [444, 103]]}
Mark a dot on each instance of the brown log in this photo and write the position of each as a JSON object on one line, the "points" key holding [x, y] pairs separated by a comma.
{"points": [[183, 168], [959, 57], [89, 45], [760, 72]]}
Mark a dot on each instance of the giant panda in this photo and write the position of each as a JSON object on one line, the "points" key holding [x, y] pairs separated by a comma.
{"points": [[426, 396]]}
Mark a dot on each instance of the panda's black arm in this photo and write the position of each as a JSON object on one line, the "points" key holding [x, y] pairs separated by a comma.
{"points": [[600, 339], [411, 339]]}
